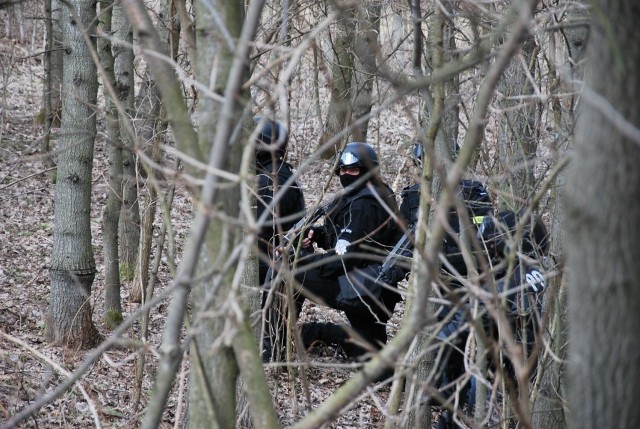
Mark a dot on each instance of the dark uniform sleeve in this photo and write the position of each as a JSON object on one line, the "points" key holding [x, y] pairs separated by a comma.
{"points": [[363, 218]]}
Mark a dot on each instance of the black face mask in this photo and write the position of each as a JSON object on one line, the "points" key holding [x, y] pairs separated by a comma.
{"points": [[349, 180]]}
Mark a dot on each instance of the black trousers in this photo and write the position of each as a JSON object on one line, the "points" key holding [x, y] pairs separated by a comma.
{"points": [[368, 323]]}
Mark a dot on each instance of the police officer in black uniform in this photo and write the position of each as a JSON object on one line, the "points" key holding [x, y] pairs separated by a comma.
{"points": [[454, 332], [357, 228], [474, 196], [273, 172], [520, 283]]}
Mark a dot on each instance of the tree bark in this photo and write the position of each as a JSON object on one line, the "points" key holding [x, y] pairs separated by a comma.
{"points": [[129, 226], [603, 208], [549, 407], [214, 373], [72, 263], [367, 48], [339, 109], [422, 360], [150, 128], [112, 305], [517, 136]]}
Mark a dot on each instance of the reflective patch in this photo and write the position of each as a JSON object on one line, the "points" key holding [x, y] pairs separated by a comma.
{"points": [[341, 247], [348, 158], [477, 220]]}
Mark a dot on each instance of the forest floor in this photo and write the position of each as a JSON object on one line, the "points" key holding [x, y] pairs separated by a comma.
{"points": [[30, 367]]}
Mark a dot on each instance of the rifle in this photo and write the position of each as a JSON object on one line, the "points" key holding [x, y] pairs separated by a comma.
{"points": [[403, 248], [367, 282], [293, 234], [274, 328], [306, 220]]}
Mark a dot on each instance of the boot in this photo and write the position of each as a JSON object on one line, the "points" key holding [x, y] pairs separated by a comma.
{"points": [[327, 333]]}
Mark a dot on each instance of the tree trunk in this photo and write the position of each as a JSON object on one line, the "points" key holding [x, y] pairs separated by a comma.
{"points": [[424, 360], [451, 114], [339, 108], [214, 370], [129, 226], [366, 45], [149, 127], [112, 305], [72, 264], [549, 410], [603, 208], [517, 136], [56, 63]]}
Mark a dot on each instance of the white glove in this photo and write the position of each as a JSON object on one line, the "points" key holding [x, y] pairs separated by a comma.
{"points": [[341, 247]]}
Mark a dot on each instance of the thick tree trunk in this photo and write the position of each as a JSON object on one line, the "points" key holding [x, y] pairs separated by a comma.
{"points": [[72, 264], [603, 208], [112, 305], [214, 371], [549, 407], [339, 109], [129, 227], [366, 50]]}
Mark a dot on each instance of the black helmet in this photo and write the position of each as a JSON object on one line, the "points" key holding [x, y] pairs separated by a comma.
{"points": [[273, 133], [357, 154], [496, 232]]}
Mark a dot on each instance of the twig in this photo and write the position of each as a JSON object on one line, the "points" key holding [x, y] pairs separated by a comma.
{"points": [[27, 177], [40, 402]]}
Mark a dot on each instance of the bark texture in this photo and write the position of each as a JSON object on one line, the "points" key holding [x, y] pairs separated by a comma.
{"points": [[367, 49], [129, 226], [214, 374], [339, 109], [549, 407], [112, 305], [603, 208], [517, 136], [72, 263]]}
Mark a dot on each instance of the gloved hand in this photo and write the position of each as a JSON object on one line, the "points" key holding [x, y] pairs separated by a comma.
{"points": [[311, 235], [394, 275]]}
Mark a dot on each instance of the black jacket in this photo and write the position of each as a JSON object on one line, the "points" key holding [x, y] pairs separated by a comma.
{"points": [[522, 292], [362, 221], [478, 203], [290, 207]]}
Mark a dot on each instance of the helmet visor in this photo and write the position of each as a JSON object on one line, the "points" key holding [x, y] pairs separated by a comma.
{"points": [[348, 158], [417, 154]]}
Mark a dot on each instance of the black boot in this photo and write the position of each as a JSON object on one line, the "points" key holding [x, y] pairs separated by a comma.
{"points": [[328, 333]]}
